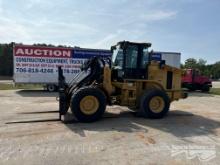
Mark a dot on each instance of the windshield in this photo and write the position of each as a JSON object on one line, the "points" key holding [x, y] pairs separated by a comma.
{"points": [[117, 57]]}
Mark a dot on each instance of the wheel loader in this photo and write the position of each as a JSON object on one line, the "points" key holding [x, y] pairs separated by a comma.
{"points": [[130, 78]]}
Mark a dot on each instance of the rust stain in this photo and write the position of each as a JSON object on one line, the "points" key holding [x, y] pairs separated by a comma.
{"points": [[151, 140], [141, 135], [146, 140]]}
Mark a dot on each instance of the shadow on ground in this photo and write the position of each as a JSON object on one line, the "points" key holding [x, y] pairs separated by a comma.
{"points": [[178, 123], [36, 93]]}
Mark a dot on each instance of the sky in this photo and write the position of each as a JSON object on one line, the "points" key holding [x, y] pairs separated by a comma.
{"points": [[191, 27]]}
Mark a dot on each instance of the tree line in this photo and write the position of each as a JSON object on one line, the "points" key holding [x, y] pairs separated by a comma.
{"points": [[210, 70], [6, 62], [6, 59]]}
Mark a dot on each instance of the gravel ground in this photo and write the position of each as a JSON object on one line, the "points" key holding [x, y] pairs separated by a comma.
{"points": [[31, 134]]}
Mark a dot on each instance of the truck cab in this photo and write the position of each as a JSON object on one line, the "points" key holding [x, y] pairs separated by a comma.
{"points": [[193, 80]]}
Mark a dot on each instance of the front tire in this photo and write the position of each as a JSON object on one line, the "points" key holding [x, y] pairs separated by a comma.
{"points": [[205, 88], [154, 104], [192, 88], [88, 104]]}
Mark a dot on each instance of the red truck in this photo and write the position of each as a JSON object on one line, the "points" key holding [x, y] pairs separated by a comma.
{"points": [[193, 80]]}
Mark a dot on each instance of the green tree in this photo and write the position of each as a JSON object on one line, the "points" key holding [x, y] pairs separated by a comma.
{"points": [[201, 65], [215, 70], [191, 63], [6, 60], [202, 62]]}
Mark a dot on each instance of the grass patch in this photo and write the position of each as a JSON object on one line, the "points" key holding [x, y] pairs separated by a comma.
{"points": [[20, 86], [215, 91]]}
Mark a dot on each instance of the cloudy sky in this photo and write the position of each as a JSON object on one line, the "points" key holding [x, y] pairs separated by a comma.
{"points": [[191, 27]]}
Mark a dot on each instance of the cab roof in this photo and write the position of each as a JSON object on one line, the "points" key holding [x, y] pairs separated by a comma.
{"points": [[145, 44]]}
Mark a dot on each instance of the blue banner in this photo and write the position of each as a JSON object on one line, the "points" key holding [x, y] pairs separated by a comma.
{"points": [[88, 53], [156, 56]]}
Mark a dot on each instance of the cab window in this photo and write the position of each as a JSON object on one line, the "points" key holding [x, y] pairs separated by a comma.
{"points": [[117, 58], [131, 56], [145, 58]]}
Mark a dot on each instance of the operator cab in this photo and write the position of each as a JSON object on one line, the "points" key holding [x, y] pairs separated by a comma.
{"points": [[130, 60]]}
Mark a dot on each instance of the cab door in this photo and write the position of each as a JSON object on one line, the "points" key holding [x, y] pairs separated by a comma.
{"points": [[135, 65]]}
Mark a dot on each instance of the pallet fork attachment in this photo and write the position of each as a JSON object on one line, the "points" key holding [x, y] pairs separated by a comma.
{"points": [[63, 105]]}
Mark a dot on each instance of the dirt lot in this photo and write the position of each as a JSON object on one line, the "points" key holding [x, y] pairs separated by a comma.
{"points": [[31, 134]]}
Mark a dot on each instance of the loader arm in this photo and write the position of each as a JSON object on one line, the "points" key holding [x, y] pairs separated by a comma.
{"points": [[95, 68]]}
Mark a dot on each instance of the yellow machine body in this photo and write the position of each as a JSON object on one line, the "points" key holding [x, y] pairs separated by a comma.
{"points": [[132, 89]]}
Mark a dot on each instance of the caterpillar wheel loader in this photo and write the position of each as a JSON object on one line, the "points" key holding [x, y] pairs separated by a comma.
{"points": [[130, 78]]}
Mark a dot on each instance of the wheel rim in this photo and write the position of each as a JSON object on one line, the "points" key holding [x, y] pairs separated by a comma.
{"points": [[89, 105], [157, 104]]}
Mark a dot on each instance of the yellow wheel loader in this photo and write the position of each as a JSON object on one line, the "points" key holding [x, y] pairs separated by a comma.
{"points": [[130, 78]]}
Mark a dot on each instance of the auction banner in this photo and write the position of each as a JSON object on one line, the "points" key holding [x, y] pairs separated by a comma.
{"points": [[36, 64]]}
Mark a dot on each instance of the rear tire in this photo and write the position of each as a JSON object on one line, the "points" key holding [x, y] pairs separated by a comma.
{"points": [[88, 104], [154, 104]]}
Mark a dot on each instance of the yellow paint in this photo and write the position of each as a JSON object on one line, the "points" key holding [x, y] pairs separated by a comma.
{"points": [[156, 104], [132, 89], [107, 84]]}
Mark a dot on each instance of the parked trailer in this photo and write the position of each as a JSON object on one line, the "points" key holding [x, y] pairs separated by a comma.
{"points": [[170, 58], [38, 64]]}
